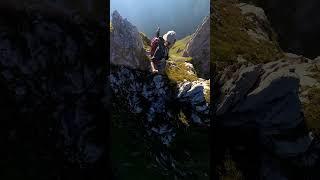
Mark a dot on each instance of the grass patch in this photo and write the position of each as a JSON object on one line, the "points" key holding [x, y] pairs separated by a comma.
{"points": [[183, 119], [312, 110], [207, 95], [230, 38], [229, 170], [111, 27], [129, 149], [129, 158], [178, 48], [315, 69], [146, 41], [311, 106], [191, 149], [178, 72], [180, 58]]}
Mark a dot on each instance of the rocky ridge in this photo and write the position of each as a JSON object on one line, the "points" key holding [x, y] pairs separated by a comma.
{"points": [[199, 48], [268, 100], [126, 45], [196, 94], [159, 102]]}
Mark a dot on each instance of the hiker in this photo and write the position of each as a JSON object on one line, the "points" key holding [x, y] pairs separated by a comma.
{"points": [[160, 48]]}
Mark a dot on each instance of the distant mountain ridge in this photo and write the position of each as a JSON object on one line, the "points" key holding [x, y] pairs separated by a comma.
{"points": [[181, 16]]}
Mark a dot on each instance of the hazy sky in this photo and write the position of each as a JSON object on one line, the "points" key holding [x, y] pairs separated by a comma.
{"points": [[182, 16]]}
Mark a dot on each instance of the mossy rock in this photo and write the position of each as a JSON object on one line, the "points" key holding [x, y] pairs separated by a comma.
{"points": [[229, 37], [312, 111], [311, 105]]}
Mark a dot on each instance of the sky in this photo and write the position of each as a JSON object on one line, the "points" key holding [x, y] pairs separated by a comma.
{"points": [[182, 16]]}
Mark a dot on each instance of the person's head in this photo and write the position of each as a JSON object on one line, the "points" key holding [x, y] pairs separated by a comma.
{"points": [[169, 38]]}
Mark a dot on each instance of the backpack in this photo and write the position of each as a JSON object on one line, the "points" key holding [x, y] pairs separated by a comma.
{"points": [[154, 44], [158, 42]]}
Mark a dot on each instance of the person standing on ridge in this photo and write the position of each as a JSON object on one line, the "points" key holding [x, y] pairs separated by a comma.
{"points": [[160, 48]]}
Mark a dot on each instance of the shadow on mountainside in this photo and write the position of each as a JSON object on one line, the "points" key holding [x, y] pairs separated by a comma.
{"points": [[52, 78]]}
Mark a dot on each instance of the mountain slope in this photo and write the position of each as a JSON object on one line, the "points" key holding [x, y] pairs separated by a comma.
{"points": [[262, 103], [168, 113]]}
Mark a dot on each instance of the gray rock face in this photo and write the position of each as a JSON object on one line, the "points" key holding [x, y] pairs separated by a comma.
{"points": [[148, 96], [254, 89], [126, 46], [158, 106], [266, 97], [256, 15], [152, 97], [146, 93], [199, 48], [193, 94]]}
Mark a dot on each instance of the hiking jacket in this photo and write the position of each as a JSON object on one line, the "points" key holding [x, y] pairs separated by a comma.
{"points": [[161, 52]]}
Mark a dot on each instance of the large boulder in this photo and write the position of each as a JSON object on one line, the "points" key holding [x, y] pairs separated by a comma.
{"points": [[260, 26], [242, 34], [266, 98], [199, 48], [126, 46], [195, 97]]}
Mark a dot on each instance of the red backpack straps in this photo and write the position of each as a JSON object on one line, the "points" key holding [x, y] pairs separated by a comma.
{"points": [[154, 45]]}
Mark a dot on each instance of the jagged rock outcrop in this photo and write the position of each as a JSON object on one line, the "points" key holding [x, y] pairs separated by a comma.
{"points": [[264, 112], [147, 93], [260, 26], [243, 35], [126, 46], [266, 98], [52, 83], [158, 101], [199, 48], [193, 94], [159, 104], [253, 89]]}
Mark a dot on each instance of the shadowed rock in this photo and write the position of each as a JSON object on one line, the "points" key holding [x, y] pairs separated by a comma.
{"points": [[266, 98], [52, 85]]}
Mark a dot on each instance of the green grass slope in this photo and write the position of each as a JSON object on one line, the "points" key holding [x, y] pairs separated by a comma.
{"points": [[178, 71], [229, 37]]}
